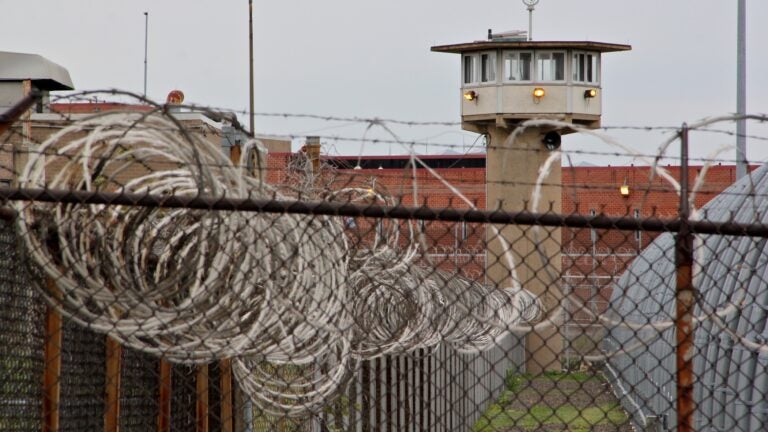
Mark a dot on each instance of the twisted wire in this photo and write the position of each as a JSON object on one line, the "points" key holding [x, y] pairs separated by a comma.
{"points": [[294, 300]]}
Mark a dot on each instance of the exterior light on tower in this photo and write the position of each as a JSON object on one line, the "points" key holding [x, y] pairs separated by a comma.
{"points": [[470, 95], [538, 93], [588, 94]]}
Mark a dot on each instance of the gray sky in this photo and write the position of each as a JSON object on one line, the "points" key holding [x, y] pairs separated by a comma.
{"points": [[360, 58]]}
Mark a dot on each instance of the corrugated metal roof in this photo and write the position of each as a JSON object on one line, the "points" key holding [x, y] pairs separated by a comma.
{"points": [[731, 382], [46, 74]]}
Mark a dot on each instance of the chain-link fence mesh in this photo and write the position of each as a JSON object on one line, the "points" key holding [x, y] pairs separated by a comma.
{"points": [[160, 270]]}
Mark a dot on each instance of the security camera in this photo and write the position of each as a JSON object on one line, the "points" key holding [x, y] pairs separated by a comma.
{"points": [[552, 141]]}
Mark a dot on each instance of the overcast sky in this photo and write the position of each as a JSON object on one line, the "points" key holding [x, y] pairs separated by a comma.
{"points": [[362, 58]]}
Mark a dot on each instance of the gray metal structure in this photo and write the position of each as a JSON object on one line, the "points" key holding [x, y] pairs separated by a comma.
{"points": [[426, 391], [731, 390], [45, 74], [42, 74]]}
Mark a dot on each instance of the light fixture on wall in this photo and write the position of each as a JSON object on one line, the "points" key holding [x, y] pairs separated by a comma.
{"points": [[538, 93], [590, 93], [471, 95], [624, 189]]}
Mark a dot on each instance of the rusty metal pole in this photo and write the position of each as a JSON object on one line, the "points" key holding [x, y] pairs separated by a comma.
{"points": [[685, 300], [52, 365], [113, 378]]}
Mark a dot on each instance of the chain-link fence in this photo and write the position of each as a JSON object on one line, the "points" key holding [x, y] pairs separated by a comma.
{"points": [[160, 270]]}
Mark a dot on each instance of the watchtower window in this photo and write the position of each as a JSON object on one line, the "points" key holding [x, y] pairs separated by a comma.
{"points": [[488, 67], [550, 66], [469, 69], [585, 68], [517, 66]]}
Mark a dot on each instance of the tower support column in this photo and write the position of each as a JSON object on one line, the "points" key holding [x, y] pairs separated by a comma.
{"points": [[511, 172]]}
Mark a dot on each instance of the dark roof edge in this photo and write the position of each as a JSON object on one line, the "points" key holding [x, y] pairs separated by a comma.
{"points": [[489, 44]]}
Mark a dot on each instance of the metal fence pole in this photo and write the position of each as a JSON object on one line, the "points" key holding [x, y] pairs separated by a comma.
{"points": [[685, 299], [52, 367], [112, 380], [165, 395]]}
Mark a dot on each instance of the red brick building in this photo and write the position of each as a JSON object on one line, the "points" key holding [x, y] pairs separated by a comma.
{"points": [[591, 259]]}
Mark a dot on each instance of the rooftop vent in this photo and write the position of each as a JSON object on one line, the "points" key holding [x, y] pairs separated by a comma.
{"points": [[508, 36]]}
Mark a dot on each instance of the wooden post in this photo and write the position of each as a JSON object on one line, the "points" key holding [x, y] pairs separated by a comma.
{"points": [[52, 367], [164, 411], [226, 395], [113, 371], [201, 413]]}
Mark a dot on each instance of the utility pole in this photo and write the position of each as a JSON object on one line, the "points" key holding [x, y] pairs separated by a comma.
{"points": [[146, 46], [250, 62], [741, 90]]}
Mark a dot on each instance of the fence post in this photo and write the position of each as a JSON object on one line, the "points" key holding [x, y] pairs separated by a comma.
{"points": [[164, 409], [225, 366], [112, 402], [201, 413], [685, 299], [52, 367]]}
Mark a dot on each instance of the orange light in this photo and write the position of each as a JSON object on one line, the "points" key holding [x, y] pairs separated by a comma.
{"points": [[471, 95], [624, 190], [538, 92], [590, 93], [175, 97]]}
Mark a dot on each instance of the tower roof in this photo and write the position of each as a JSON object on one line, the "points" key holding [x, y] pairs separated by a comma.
{"points": [[46, 74], [513, 44]]}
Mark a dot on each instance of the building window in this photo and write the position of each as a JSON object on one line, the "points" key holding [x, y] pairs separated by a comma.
{"points": [[550, 66], [488, 67], [585, 68], [469, 69], [517, 66]]}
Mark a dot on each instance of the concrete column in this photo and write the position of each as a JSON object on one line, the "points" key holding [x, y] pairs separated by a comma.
{"points": [[21, 148], [313, 152], [512, 170]]}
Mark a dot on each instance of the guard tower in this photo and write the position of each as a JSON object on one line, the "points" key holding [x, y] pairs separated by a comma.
{"points": [[506, 80]]}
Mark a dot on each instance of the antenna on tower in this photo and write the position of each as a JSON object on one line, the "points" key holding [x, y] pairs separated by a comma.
{"points": [[531, 6]]}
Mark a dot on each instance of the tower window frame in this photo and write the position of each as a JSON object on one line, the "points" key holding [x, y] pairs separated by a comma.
{"points": [[468, 72], [585, 67], [487, 63], [514, 62], [551, 66]]}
